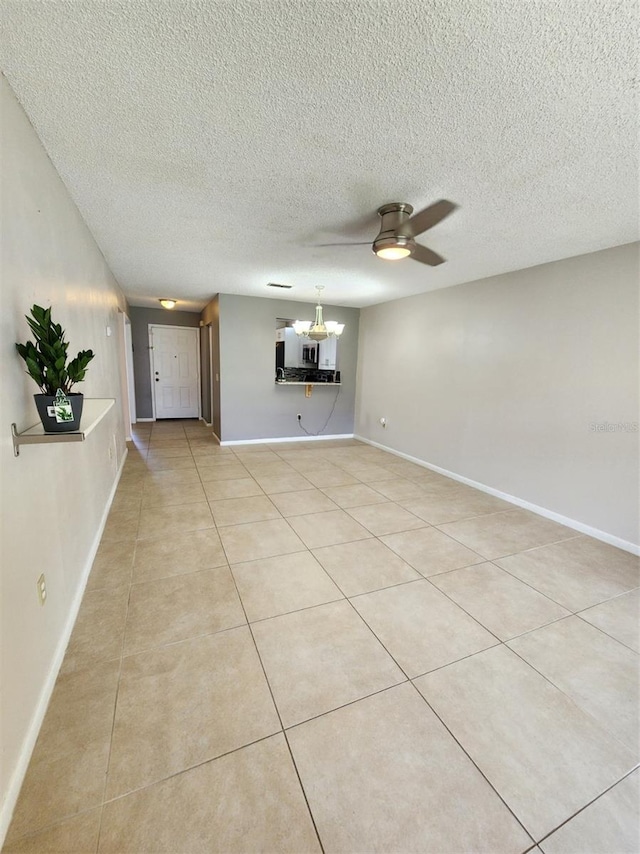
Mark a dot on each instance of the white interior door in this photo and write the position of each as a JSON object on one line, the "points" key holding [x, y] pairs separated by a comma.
{"points": [[175, 380]]}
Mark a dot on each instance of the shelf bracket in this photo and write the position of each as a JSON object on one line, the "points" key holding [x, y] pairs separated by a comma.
{"points": [[16, 442]]}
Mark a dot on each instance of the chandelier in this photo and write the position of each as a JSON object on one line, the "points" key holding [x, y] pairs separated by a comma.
{"points": [[318, 330]]}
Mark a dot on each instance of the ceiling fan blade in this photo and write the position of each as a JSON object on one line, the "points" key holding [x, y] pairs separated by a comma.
{"points": [[428, 217], [366, 243], [426, 256]]}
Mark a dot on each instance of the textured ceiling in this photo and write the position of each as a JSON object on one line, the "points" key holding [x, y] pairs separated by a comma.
{"points": [[210, 144]]}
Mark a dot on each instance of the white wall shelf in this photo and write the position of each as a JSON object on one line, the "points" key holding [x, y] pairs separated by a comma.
{"points": [[93, 411]]}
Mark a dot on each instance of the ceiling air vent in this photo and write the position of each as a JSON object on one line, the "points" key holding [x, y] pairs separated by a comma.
{"points": [[276, 285]]}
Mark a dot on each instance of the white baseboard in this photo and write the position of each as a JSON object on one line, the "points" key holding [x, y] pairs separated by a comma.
{"points": [[287, 439], [33, 730], [596, 533], [139, 420]]}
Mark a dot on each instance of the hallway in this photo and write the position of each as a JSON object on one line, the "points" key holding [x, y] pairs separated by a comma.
{"points": [[296, 647]]}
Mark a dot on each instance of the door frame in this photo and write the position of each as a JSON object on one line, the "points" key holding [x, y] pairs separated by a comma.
{"points": [[196, 331]]}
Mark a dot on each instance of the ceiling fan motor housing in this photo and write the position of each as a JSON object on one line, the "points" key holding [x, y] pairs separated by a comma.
{"points": [[394, 216]]}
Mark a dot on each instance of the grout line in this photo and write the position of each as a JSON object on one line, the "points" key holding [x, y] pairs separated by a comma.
{"points": [[604, 727], [607, 634], [586, 806], [476, 766], [277, 710]]}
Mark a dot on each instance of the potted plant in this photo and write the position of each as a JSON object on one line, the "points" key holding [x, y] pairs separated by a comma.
{"points": [[46, 360]]}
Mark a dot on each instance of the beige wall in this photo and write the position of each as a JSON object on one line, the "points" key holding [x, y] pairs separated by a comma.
{"points": [[501, 381], [53, 496]]}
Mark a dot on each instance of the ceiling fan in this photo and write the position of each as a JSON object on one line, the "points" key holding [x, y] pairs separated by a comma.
{"points": [[399, 228]]}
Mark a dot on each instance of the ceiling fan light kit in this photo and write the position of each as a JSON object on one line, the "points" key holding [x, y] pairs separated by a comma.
{"points": [[318, 330]]}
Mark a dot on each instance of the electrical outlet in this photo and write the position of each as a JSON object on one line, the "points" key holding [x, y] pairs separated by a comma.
{"points": [[299, 417], [42, 589]]}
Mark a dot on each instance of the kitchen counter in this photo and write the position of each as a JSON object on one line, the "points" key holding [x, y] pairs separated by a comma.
{"points": [[302, 382]]}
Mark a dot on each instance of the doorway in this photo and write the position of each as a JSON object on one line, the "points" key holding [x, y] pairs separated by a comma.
{"points": [[175, 375]]}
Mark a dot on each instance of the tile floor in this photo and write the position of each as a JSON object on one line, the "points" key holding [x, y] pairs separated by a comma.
{"points": [[320, 646]]}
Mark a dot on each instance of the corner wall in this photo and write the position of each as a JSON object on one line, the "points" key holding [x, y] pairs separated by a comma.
{"points": [[516, 382], [252, 405], [54, 497]]}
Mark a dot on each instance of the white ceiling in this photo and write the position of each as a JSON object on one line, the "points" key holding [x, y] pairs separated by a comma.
{"points": [[211, 144]]}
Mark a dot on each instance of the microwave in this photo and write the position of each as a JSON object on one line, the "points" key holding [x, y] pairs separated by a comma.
{"points": [[310, 354]]}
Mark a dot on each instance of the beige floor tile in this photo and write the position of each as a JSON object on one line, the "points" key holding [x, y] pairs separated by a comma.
{"points": [[398, 488], [180, 607], [599, 674], [129, 489], [619, 618], [98, 632], [77, 835], [453, 504], [80, 712], [373, 473], [283, 483], [167, 521], [248, 801], [328, 529], [302, 502], [127, 501], [158, 453], [497, 534], [577, 573], [275, 468], [186, 703], [112, 565], [281, 584], [504, 605], [223, 471], [172, 494], [420, 627], [203, 451], [430, 551], [404, 468], [387, 518], [354, 496], [256, 540], [243, 487], [58, 787], [172, 478], [383, 775], [364, 566], [176, 554], [326, 476], [610, 825], [321, 658], [66, 774], [121, 525], [185, 463], [515, 725], [257, 458], [235, 511]]}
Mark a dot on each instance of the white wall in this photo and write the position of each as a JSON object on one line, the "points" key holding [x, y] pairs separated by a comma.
{"points": [[53, 496], [501, 380]]}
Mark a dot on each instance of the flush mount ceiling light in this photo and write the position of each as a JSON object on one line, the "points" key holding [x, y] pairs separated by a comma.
{"points": [[319, 330], [168, 303]]}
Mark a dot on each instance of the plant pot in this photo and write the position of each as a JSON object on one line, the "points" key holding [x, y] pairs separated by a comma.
{"points": [[44, 404]]}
